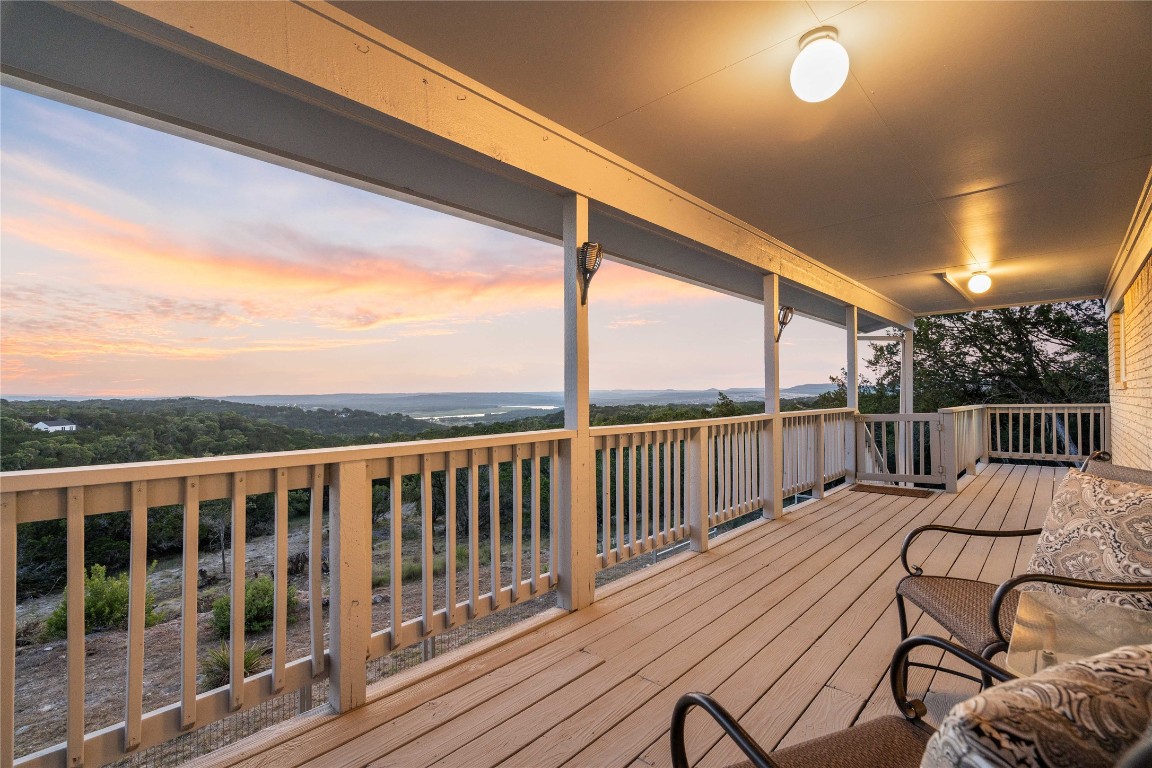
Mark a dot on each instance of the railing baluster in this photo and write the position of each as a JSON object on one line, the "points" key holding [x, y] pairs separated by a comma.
{"points": [[494, 526], [535, 488], [553, 505], [629, 496], [75, 636], [605, 505], [316, 567], [677, 479], [619, 498], [669, 512], [7, 629], [647, 532], [188, 613], [396, 552], [427, 556], [474, 533], [239, 575], [819, 458], [137, 605], [517, 518], [280, 610], [450, 478]]}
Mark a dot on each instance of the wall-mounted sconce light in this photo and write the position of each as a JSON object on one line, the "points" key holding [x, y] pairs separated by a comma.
{"points": [[784, 317], [979, 282], [588, 258]]}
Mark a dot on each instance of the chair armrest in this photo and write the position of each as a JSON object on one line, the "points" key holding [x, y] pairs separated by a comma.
{"points": [[1014, 582], [747, 744], [898, 670], [915, 570]]}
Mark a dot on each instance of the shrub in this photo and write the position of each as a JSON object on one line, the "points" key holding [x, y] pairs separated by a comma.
{"points": [[105, 605], [259, 607], [217, 664], [410, 570], [381, 577]]}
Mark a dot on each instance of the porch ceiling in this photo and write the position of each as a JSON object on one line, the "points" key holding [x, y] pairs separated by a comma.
{"points": [[1008, 136]]}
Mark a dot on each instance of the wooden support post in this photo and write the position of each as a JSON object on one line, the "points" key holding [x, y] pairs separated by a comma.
{"points": [[946, 458], [903, 431], [576, 514], [852, 388], [772, 468], [350, 560], [697, 481]]}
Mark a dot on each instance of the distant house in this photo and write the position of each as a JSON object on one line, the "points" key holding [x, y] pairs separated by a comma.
{"points": [[56, 425]]}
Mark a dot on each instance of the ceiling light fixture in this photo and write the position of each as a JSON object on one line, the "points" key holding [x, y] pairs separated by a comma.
{"points": [[821, 67], [979, 282]]}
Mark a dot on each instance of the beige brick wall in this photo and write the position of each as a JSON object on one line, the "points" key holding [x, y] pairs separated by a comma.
{"points": [[1132, 396]]}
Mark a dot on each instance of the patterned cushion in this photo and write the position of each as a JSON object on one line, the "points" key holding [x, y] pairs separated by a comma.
{"points": [[1097, 529], [1081, 714]]}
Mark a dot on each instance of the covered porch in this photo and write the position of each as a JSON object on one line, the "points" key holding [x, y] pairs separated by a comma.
{"points": [[789, 622]]}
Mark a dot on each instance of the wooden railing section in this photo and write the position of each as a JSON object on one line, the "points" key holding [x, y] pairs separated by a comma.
{"points": [[1047, 432], [494, 496], [818, 449], [902, 448], [502, 570], [640, 494]]}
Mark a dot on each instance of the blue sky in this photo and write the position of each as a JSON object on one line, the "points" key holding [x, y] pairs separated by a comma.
{"points": [[136, 263]]}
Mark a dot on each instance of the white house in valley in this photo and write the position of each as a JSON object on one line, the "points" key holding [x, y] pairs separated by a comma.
{"points": [[55, 425]]}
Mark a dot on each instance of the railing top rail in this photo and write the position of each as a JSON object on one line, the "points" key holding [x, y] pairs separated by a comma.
{"points": [[61, 477], [1046, 405], [619, 429], [897, 416], [959, 408], [817, 412], [657, 426]]}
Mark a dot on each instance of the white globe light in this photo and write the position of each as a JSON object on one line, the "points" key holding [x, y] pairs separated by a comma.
{"points": [[819, 70], [979, 282]]}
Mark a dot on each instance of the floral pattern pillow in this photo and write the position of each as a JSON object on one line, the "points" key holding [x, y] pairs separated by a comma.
{"points": [[1097, 529], [1081, 714]]}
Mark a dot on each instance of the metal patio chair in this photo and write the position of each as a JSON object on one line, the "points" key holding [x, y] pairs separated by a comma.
{"points": [[891, 741], [1023, 722], [978, 614]]}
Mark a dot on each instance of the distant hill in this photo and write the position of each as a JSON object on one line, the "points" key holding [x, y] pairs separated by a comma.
{"points": [[409, 413], [424, 405]]}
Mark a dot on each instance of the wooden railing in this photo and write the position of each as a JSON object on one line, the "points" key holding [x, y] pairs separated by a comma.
{"points": [[819, 448], [902, 448], [640, 490], [1047, 432], [937, 448], [735, 455], [429, 478], [490, 502], [966, 429]]}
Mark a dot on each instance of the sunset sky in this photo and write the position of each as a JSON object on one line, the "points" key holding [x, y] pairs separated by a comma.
{"points": [[135, 263]]}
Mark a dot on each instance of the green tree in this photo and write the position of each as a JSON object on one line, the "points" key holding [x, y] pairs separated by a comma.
{"points": [[1049, 353], [725, 406]]}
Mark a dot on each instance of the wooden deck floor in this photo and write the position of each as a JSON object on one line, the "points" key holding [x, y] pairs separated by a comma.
{"points": [[789, 623]]}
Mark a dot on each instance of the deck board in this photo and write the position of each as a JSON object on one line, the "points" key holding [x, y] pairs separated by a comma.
{"points": [[790, 623]]}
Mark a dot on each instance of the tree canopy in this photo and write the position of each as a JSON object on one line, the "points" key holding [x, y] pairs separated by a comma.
{"points": [[1047, 353]]}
